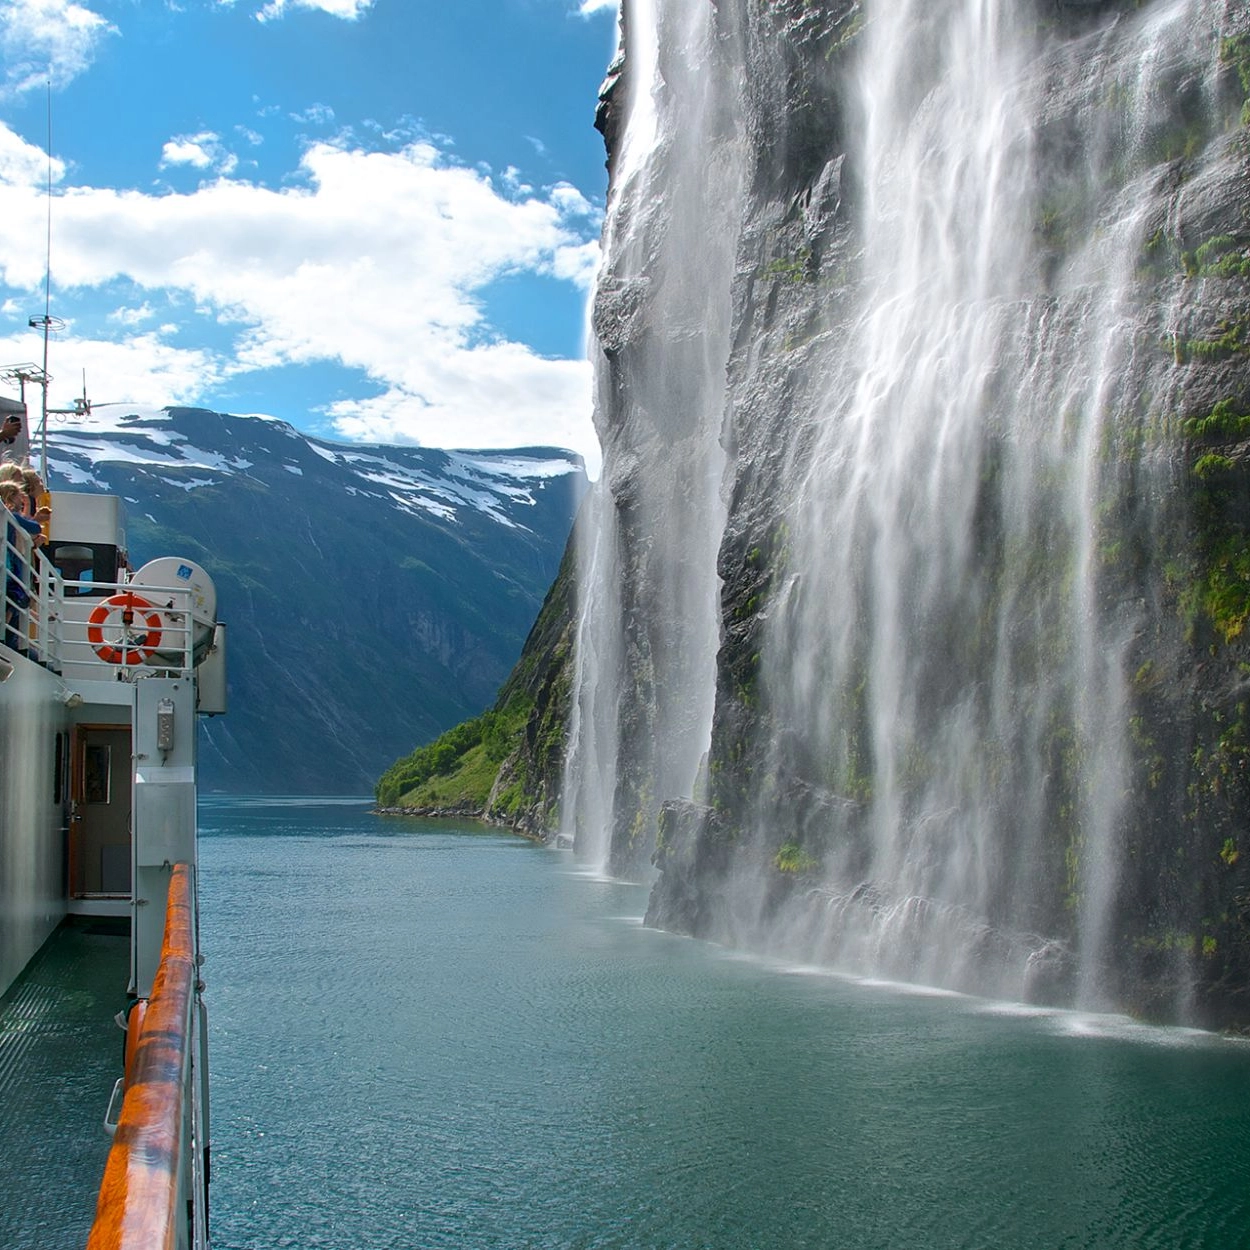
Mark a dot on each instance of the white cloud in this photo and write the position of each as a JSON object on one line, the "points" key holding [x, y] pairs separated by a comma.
{"points": [[132, 316], [497, 396], [24, 165], [315, 114], [185, 152], [377, 261], [578, 265], [589, 7], [200, 151], [349, 9], [570, 200], [47, 40], [142, 368], [516, 185]]}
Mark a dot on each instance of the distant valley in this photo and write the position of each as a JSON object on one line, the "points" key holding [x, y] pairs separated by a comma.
{"points": [[374, 596]]}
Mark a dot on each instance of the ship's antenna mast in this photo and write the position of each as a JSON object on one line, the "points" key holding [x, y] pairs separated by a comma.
{"points": [[47, 322]]}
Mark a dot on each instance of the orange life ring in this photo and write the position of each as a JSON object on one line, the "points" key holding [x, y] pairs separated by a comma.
{"points": [[136, 648]]}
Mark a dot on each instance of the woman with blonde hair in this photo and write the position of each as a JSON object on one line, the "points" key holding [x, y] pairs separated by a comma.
{"points": [[38, 498]]}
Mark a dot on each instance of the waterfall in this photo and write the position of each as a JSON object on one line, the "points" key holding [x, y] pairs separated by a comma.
{"points": [[953, 648], [649, 616], [890, 425]]}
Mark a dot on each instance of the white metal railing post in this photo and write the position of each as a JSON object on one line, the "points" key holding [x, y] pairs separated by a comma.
{"points": [[16, 585], [51, 594], [56, 596], [42, 598], [39, 615], [10, 603], [23, 611]]}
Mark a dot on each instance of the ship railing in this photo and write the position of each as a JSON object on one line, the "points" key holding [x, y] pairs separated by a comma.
{"points": [[154, 1193], [22, 605], [117, 628], [139, 626]]}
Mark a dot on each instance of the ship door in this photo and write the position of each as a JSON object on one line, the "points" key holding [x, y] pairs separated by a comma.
{"points": [[99, 823]]}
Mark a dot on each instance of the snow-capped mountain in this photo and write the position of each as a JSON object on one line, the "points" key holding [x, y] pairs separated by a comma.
{"points": [[374, 595]]}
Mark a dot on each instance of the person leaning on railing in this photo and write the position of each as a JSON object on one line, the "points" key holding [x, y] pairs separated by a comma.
{"points": [[37, 500], [17, 583], [33, 499]]}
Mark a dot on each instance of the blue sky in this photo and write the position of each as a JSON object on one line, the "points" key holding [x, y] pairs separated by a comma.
{"points": [[375, 219]]}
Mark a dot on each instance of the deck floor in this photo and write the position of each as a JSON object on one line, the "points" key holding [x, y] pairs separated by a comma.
{"points": [[60, 1052]]}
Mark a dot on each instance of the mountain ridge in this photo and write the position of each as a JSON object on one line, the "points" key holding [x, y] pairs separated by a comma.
{"points": [[374, 595]]}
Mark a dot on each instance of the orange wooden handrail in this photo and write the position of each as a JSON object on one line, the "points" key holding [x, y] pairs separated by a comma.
{"points": [[138, 1207]]}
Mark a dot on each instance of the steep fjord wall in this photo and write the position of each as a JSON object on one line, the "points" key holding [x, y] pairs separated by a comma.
{"points": [[913, 597]]}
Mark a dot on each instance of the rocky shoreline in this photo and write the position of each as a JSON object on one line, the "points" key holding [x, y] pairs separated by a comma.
{"points": [[469, 811]]}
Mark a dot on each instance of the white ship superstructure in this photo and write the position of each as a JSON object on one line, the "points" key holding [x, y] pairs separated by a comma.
{"points": [[103, 672]]}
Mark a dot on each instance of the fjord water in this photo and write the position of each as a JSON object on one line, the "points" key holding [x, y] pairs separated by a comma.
{"points": [[433, 1035]]}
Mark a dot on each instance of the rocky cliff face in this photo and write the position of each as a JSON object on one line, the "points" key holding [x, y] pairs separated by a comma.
{"points": [[914, 594]]}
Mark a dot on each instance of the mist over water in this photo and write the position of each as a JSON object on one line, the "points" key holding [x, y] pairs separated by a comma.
{"points": [[948, 643]]}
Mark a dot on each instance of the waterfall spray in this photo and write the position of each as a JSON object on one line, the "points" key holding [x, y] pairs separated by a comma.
{"points": [[648, 633]]}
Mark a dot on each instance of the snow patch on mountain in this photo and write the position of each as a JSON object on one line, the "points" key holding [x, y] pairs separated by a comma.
{"points": [[516, 466], [414, 480], [107, 451], [69, 473]]}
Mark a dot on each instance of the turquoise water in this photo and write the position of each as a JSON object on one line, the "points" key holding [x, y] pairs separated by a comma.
{"points": [[431, 1035]]}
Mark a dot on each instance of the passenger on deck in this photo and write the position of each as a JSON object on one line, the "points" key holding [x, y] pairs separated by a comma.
{"points": [[14, 498], [37, 495], [16, 582]]}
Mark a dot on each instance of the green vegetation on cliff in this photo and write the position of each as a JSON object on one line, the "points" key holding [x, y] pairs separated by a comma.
{"points": [[459, 766], [505, 764], [1218, 585]]}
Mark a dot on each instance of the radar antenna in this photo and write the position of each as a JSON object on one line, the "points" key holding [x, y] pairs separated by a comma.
{"points": [[82, 405], [47, 323]]}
